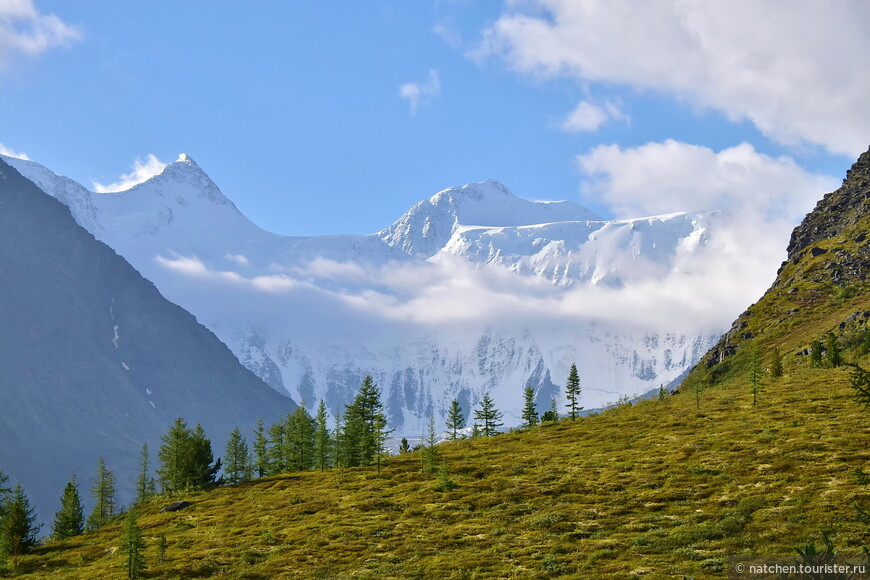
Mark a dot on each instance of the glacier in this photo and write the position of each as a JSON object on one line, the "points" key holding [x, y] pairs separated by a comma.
{"points": [[472, 290]]}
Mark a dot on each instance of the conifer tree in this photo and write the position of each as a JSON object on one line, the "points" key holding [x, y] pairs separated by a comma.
{"points": [[429, 450], [404, 446], [186, 460], [572, 392], [300, 440], [455, 421], [381, 436], [4, 494], [553, 414], [133, 546], [277, 452], [145, 485], [488, 416], [70, 520], [360, 441], [775, 364], [530, 412], [103, 493], [816, 353], [237, 459], [18, 529], [835, 359], [663, 392], [322, 439], [755, 375], [261, 457]]}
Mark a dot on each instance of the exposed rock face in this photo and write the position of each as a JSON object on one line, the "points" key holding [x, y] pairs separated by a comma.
{"points": [[837, 212]]}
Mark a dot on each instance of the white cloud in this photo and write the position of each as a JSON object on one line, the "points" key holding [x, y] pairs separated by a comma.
{"points": [[448, 34], [589, 117], [25, 31], [795, 69], [143, 170], [667, 177], [9, 152], [418, 94], [193, 267], [238, 259]]}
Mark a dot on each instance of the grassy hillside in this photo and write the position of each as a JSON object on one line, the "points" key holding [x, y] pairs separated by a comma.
{"points": [[657, 489]]}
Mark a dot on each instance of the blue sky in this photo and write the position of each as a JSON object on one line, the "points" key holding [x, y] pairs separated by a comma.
{"points": [[336, 116]]}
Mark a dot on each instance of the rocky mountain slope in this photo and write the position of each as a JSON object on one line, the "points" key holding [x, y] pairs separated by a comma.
{"points": [[95, 362]]}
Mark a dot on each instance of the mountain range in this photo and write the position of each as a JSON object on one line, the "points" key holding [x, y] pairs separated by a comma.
{"points": [[471, 290]]}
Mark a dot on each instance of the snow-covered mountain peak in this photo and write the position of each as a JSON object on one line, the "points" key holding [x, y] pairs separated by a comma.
{"points": [[428, 226], [184, 172]]}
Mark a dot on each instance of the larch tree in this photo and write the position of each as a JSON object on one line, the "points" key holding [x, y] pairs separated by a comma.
{"points": [[530, 412], [237, 459], [775, 364], [755, 384], [186, 460], [429, 450], [455, 421], [572, 392], [18, 529], [488, 418], [364, 430], [146, 486], [103, 493], [261, 446], [70, 520], [322, 437], [133, 546], [300, 440]]}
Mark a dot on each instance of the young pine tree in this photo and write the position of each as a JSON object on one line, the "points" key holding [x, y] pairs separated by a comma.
{"points": [[572, 392], [146, 487], [816, 353], [237, 459], [553, 413], [530, 413], [429, 450], [18, 530], [70, 520], [488, 416], [404, 446], [133, 546], [455, 421], [835, 359], [261, 457], [755, 384], [103, 493], [775, 364], [322, 438]]}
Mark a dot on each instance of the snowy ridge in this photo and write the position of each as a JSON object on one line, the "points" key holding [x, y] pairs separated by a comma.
{"points": [[312, 315]]}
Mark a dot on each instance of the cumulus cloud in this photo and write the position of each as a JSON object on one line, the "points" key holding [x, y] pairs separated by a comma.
{"points": [[418, 94], [589, 117], [143, 170], [667, 177], [24, 31], [9, 152], [795, 69]]}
